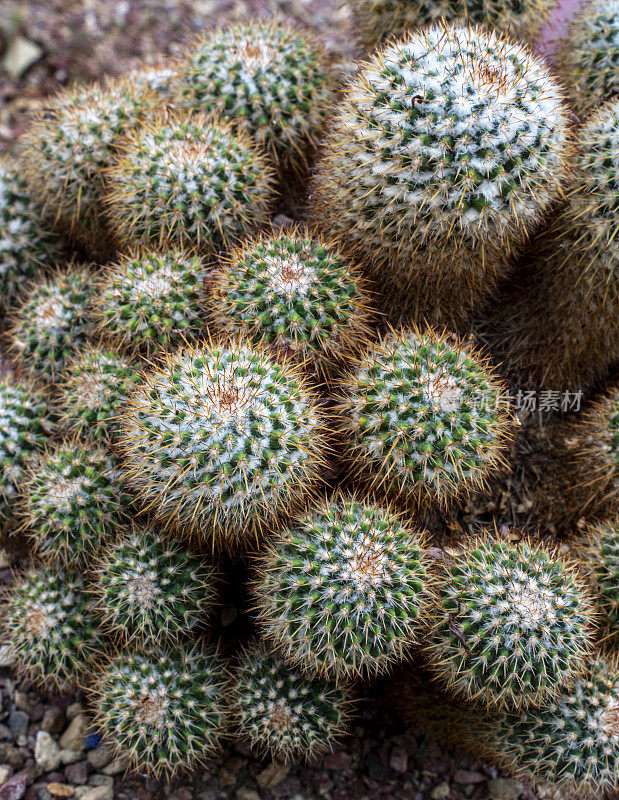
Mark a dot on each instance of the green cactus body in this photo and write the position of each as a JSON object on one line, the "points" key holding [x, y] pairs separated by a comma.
{"points": [[73, 502], [295, 291], [151, 592], [48, 624], [188, 182], [26, 243], [283, 712], [150, 300], [270, 79], [342, 591], [163, 709], [511, 625], [51, 324], [599, 552], [222, 440], [423, 418]]}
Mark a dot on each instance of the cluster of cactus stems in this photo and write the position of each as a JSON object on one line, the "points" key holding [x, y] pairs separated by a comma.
{"points": [[200, 383]]}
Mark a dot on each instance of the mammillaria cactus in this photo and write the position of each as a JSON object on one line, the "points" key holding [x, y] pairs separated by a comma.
{"points": [[272, 80], [148, 591], [26, 242], [48, 327], [284, 712], [341, 591], [449, 146], [511, 623], [599, 550], [294, 290], [188, 181], [422, 418], [24, 426], [148, 300], [222, 441], [589, 55], [72, 502], [48, 624], [163, 709]]}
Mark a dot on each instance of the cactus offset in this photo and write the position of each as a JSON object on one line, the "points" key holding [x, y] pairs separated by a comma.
{"points": [[598, 550]]}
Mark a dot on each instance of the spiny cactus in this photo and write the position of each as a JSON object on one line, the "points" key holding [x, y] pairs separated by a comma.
{"points": [[148, 591], [447, 149], [92, 389], [598, 550], [159, 78], [26, 242], [422, 417], [342, 590], [163, 710], [511, 624], [148, 300], [47, 622], [292, 289], [48, 327], [222, 440], [72, 502], [588, 62], [282, 711], [270, 79], [25, 425], [380, 19], [188, 181]]}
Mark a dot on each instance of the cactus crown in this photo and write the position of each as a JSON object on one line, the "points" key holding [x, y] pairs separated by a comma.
{"points": [[151, 591], [162, 709], [282, 710], [342, 590], [222, 439], [600, 554], [47, 621], [422, 416], [188, 181], [511, 625], [150, 299]]}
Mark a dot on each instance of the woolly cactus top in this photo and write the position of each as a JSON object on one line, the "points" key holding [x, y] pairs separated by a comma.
{"points": [[342, 591], [222, 439], [423, 417]]}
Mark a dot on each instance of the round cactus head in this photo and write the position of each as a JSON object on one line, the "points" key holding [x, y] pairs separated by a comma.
{"points": [[341, 592], [422, 417], [599, 554], [48, 327], [149, 591], [294, 290], [48, 624], [188, 181], [163, 710], [511, 624], [222, 440], [283, 712], [148, 300]]}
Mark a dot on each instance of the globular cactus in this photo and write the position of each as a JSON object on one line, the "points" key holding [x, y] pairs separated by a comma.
{"points": [[148, 591], [588, 61], [48, 624], [72, 502], [511, 625], [222, 440], [91, 391], [148, 299], [26, 241], [188, 181], [598, 550], [25, 424], [342, 590], [163, 710], [51, 323], [273, 81], [281, 711], [422, 417], [294, 290], [448, 148], [381, 19]]}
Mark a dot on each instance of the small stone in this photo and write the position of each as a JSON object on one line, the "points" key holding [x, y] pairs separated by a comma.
{"points": [[101, 780], [46, 752], [245, 793], [440, 792], [99, 757], [7, 655], [398, 760], [77, 774], [53, 720], [340, 760], [74, 709], [273, 775], [181, 794], [467, 776], [74, 736], [60, 790], [5, 773], [70, 756], [21, 54], [12, 756], [22, 701], [98, 793], [116, 766], [5, 561], [504, 789], [18, 723], [13, 789]]}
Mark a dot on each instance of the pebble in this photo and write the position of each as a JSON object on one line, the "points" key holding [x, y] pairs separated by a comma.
{"points": [[46, 752], [74, 736], [466, 776], [116, 766], [97, 793], [18, 723], [74, 709], [245, 793], [99, 757], [5, 773], [14, 789], [338, 761], [440, 792], [503, 789], [60, 789], [101, 780], [399, 759], [53, 720], [273, 775], [77, 774], [70, 756], [11, 755]]}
